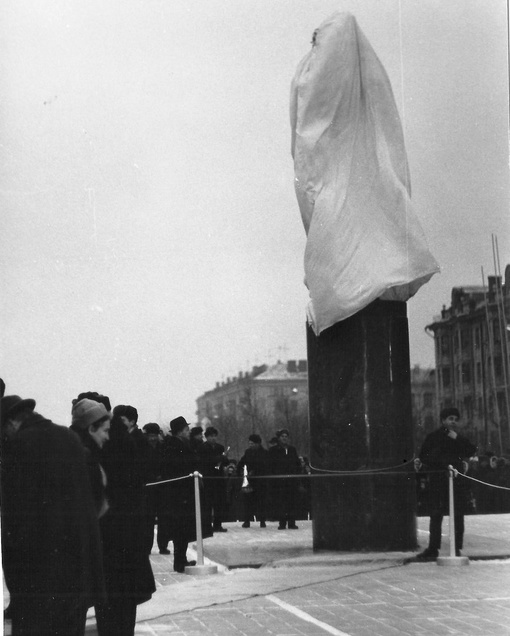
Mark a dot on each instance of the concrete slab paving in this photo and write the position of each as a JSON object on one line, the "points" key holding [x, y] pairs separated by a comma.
{"points": [[294, 592]]}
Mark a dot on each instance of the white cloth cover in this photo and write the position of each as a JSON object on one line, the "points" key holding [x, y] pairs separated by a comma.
{"points": [[351, 178]]}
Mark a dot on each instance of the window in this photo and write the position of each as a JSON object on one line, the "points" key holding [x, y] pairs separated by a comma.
{"points": [[496, 332], [428, 400], [445, 345], [468, 408], [477, 337], [465, 339], [446, 377], [466, 373], [501, 402]]}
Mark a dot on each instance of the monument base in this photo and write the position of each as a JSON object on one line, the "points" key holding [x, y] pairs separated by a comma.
{"points": [[452, 561], [201, 570], [361, 432]]}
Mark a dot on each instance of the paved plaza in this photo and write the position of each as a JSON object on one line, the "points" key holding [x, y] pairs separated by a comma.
{"points": [[295, 591], [271, 583]]}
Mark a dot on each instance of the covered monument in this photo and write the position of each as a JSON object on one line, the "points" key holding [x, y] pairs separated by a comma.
{"points": [[365, 256]]}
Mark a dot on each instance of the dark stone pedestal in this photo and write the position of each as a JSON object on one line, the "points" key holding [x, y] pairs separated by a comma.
{"points": [[360, 419]]}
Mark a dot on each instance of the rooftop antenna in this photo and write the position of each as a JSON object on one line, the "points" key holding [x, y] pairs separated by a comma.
{"points": [[500, 302], [283, 350]]}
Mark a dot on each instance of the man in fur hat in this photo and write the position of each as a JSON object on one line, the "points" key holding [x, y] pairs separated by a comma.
{"points": [[442, 448]]}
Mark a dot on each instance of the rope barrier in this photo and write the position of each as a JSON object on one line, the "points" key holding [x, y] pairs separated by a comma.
{"points": [[340, 473], [356, 473], [482, 482], [365, 471], [167, 481]]}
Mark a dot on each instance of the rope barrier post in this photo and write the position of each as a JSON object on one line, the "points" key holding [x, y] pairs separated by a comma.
{"points": [[452, 559], [199, 569]]}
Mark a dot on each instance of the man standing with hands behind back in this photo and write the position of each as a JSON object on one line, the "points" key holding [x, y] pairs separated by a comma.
{"points": [[442, 448]]}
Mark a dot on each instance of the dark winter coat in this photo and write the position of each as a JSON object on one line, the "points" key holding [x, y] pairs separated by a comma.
{"points": [[256, 460], [284, 460], [438, 452], [178, 497], [283, 492], [212, 460], [212, 463], [142, 454], [127, 566], [51, 544]]}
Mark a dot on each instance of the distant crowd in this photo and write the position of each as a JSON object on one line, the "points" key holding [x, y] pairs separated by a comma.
{"points": [[488, 470], [80, 506]]}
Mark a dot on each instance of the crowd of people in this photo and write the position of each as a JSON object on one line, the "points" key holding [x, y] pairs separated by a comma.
{"points": [[257, 487], [80, 505]]}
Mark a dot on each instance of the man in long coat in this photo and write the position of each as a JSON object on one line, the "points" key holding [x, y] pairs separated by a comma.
{"points": [[51, 546], [128, 573], [213, 460], [178, 506], [255, 459], [442, 448], [283, 459]]}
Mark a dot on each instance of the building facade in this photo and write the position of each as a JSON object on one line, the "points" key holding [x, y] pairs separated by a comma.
{"points": [[471, 351], [260, 401], [424, 402]]}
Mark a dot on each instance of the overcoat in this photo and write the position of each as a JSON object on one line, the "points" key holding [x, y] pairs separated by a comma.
{"points": [[126, 562], [283, 492], [256, 460], [438, 452], [178, 497], [50, 535], [212, 464]]}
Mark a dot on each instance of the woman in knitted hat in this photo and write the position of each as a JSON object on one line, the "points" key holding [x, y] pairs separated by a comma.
{"points": [[91, 422]]}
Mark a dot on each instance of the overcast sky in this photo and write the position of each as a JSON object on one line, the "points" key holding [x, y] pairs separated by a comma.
{"points": [[150, 239]]}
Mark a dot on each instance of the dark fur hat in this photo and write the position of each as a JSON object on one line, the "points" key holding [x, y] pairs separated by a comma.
{"points": [[12, 404], [97, 397], [152, 428], [449, 410]]}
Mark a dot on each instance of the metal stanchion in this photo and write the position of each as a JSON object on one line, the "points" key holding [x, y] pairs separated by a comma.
{"points": [[199, 569], [452, 559]]}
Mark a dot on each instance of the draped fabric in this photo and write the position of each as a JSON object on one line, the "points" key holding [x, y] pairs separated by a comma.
{"points": [[351, 178]]}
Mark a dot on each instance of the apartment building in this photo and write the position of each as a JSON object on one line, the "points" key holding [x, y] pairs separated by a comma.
{"points": [[260, 401], [471, 352]]}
